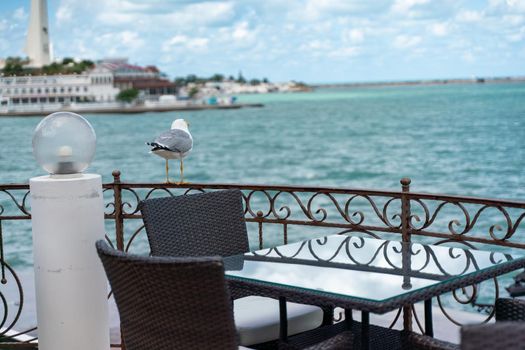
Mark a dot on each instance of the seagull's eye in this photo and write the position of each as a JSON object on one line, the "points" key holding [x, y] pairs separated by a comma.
{"points": [[188, 124]]}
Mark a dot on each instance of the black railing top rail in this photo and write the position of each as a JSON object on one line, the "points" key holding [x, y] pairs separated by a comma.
{"points": [[331, 190], [295, 188]]}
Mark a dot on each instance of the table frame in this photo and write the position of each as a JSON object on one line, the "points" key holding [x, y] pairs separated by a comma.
{"points": [[307, 296]]}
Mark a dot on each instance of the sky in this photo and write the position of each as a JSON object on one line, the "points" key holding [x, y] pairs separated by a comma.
{"points": [[315, 41]]}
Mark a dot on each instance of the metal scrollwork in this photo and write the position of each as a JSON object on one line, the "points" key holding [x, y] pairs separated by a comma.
{"points": [[352, 212], [16, 204]]}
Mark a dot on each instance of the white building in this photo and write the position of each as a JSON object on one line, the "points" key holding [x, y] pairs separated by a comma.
{"points": [[93, 86]]}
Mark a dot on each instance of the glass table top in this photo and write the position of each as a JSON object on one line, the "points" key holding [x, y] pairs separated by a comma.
{"points": [[364, 268]]}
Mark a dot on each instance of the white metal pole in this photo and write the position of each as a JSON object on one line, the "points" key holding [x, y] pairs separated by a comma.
{"points": [[71, 289]]}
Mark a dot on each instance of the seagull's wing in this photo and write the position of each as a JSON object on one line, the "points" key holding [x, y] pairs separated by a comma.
{"points": [[174, 140]]}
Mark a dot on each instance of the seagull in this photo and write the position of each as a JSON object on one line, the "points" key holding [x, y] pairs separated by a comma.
{"points": [[176, 143]]}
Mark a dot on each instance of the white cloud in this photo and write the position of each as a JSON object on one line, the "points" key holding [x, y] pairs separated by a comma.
{"points": [[4, 44], [151, 16], [354, 36], [185, 42], [204, 13], [239, 35], [116, 43], [121, 12], [406, 41], [345, 52], [514, 19], [318, 9], [439, 29], [517, 36], [108, 18], [3, 25], [469, 16], [20, 14], [316, 45], [65, 12], [177, 40], [468, 57], [509, 6], [404, 6], [131, 39], [241, 32]]}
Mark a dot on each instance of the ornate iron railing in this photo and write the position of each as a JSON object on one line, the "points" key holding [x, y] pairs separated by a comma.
{"points": [[279, 214]]}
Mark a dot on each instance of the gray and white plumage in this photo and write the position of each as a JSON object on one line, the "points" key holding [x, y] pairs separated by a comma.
{"points": [[176, 143]]}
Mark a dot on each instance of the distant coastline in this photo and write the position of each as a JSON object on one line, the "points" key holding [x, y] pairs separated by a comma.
{"points": [[479, 80], [131, 109]]}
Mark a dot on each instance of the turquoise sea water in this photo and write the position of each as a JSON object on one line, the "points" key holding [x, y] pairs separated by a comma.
{"points": [[463, 139], [457, 139]]}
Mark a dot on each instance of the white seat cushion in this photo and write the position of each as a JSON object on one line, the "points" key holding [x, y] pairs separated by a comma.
{"points": [[257, 319]]}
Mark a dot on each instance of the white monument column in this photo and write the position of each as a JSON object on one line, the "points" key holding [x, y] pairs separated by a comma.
{"points": [[67, 214], [37, 43]]}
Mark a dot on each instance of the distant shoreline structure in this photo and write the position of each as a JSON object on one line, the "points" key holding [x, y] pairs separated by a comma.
{"points": [[131, 109], [458, 81]]}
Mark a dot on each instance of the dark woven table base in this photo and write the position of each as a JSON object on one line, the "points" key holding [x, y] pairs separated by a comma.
{"points": [[380, 339]]}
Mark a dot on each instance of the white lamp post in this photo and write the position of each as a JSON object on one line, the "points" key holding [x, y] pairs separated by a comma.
{"points": [[68, 218]]}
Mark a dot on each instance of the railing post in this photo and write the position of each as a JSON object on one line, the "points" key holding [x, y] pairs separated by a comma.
{"points": [[259, 223], [117, 200], [119, 224], [2, 261], [405, 209], [405, 236]]}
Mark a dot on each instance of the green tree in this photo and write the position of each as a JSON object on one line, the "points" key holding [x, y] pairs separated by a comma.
{"points": [[87, 63], [265, 80], [180, 81], [241, 79], [217, 77], [128, 95], [193, 92], [80, 67], [67, 60], [191, 78], [14, 66], [255, 82], [53, 68]]}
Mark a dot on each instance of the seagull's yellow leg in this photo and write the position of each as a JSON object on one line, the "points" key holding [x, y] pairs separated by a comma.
{"points": [[167, 172], [182, 172]]}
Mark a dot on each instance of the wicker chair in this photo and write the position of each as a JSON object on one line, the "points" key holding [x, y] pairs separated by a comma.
{"points": [[498, 336], [211, 224], [507, 333], [177, 303]]}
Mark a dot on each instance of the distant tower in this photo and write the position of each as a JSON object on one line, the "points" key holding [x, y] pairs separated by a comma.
{"points": [[37, 44]]}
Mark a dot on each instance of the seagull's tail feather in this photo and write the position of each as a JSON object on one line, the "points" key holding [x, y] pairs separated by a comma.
{"points": [[156, 146]]}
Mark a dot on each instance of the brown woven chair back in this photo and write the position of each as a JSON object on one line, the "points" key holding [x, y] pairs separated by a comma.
{"points": [[170, 303], [201, 224], [510, 310], [498, 336]]}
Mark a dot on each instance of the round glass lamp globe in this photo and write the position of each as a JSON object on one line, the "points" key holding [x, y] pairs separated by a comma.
{"points": [[64, 143]]}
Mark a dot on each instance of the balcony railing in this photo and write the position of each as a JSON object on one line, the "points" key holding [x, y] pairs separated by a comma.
{"points": [[282, 214]]}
